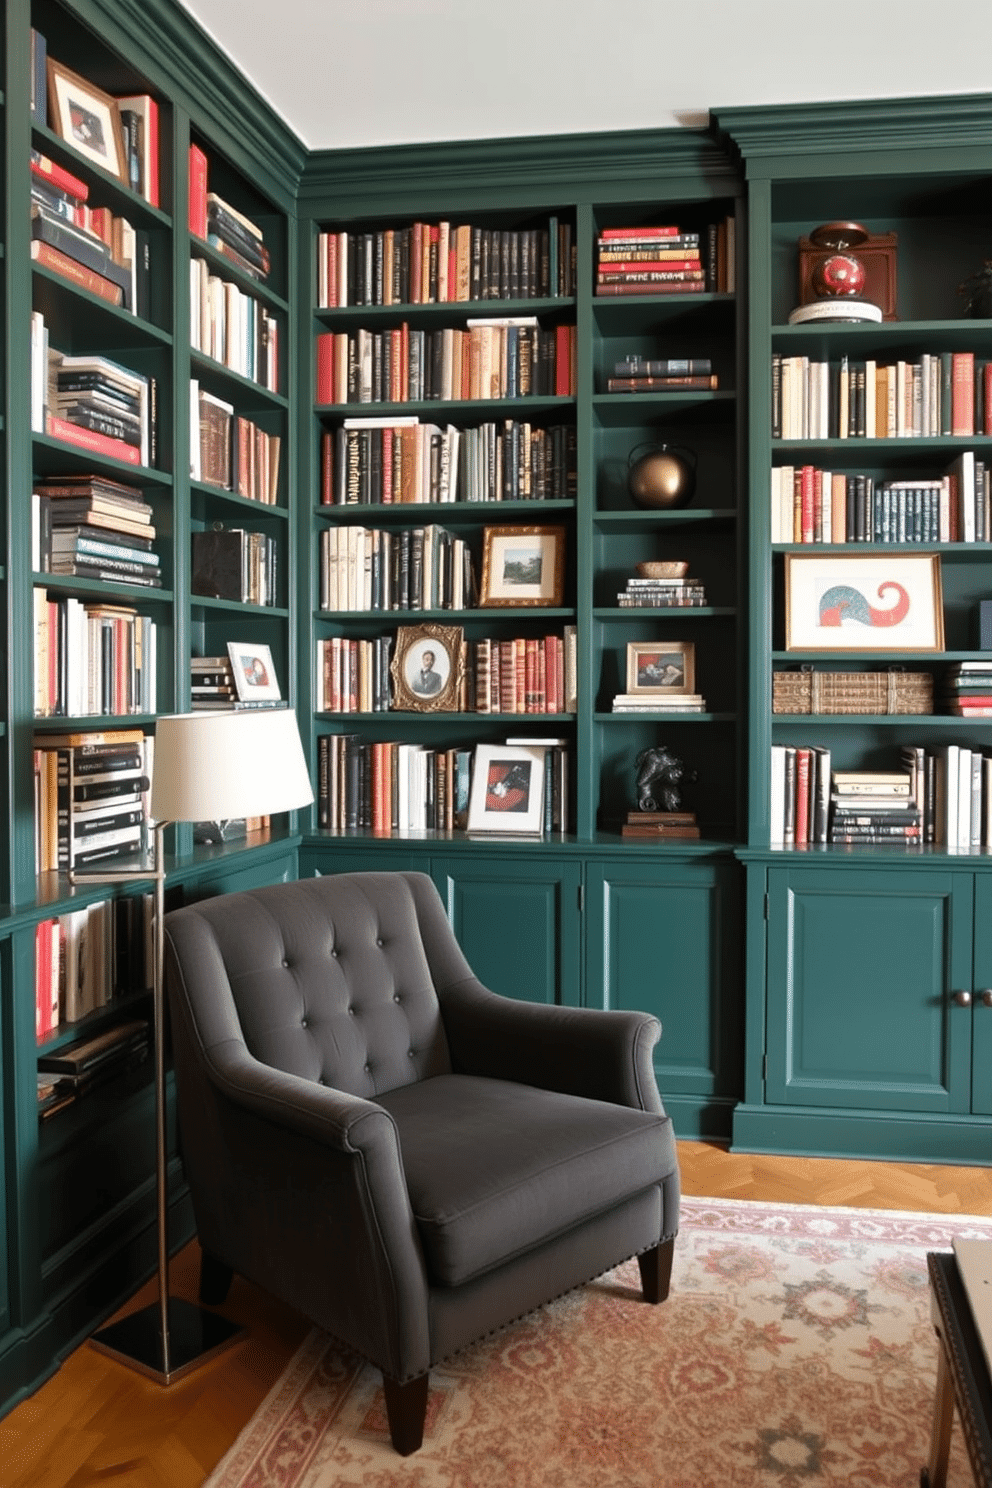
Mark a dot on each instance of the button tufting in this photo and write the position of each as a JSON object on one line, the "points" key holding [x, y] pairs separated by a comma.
{"points": [[334, 952], [368, 1069], [351, 1012], [379, 940], [409, 1054], [396, 997], [285, 962], [305, 1022]]}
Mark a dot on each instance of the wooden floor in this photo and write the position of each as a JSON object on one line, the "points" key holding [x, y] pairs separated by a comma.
{"points": [[97, 1422]]}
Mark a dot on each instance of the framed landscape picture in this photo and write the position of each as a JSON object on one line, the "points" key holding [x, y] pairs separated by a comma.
{"points": [[507, 793], [86, 118], [863, 602], [523, 566]]}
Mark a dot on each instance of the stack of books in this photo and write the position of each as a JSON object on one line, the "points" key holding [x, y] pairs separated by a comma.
{"points": [[637, 374], [643, 592], [968, 689], [98, 404], [92, 795], [92, 525], [237, 238], [212, 683], [87, 245], [659, 702], [649, 260], [70, 1071], [874, 806]]}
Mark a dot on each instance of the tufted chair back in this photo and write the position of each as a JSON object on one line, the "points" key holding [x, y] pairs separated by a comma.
{"points": [[328, 979]]}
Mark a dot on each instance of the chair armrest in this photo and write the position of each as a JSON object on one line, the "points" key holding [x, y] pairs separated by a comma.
{"points": [[598, 1053]]}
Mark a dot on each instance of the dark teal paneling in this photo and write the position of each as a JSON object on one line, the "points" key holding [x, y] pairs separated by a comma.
{"points": [[981, 1015]]}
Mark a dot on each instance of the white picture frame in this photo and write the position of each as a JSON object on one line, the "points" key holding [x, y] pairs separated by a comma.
{"points": [[255, 679], [507, 793]]}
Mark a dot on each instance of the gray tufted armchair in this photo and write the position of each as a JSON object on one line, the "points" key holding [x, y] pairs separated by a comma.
{"points": [[405, 1157]]}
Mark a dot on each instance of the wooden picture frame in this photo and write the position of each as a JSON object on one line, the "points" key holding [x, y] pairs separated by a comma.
{"points": [[661, 667], [254, 671], [507, 792], [863, 602], [427, 668], [87, 119], [523, 566]]}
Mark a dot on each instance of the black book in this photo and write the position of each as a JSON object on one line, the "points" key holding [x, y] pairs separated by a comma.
{"points": [[219, 564], [87, 1055]]}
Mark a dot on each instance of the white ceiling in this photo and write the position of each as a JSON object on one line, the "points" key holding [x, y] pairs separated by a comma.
{"points": [[374, 72]]}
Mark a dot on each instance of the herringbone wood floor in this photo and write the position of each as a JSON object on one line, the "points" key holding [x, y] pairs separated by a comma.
{"points": [[96, 1422]]}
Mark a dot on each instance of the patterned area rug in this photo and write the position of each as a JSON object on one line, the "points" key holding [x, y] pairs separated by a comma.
{"points": [[795, 1350]]}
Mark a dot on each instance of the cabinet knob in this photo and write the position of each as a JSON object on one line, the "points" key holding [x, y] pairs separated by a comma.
{"points": [[985, 997], [962, 999]]}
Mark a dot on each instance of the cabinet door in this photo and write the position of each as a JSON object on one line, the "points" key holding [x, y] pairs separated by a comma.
{"points": [[981, 1059], [663, 938], [517, 923], [862, 965]]}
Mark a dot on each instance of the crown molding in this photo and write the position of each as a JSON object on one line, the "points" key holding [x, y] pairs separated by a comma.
{"points": [[167, 45]]}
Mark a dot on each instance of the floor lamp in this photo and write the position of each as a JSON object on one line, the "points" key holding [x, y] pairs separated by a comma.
{"points": [[208, 767]]}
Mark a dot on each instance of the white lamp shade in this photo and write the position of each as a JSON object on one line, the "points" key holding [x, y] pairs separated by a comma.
{"points": [[215, 766]]}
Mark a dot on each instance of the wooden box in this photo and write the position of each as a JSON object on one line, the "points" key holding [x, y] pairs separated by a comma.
{"points": [[891, 691]]}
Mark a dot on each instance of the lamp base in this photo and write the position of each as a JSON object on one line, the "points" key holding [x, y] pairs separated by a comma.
{"points": [[194, 1337]]}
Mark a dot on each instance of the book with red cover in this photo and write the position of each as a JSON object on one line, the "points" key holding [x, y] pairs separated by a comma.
{"points": [[325, 367], [802, 795], [59, 177], [69, 268], [688, 286], [639, 232], [563, 361], [197, 192], [99, 444], [963, 392]]}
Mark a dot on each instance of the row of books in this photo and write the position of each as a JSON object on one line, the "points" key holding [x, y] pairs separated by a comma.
{"points": [[418, 568], [967, 689], [91, 526], [87, 957], [434, 263], [367, 461], [89, 246], [511, 358], [387, 786], [532, 674], [944, 393], [75, 1069], [637, 374], [234, 564], [230, 451], [812, 505], [232, 326], [230, 232], [92, 658], [665, 260], [91, 796], [91, 401]]}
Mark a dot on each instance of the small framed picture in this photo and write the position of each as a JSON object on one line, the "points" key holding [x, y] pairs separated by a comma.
{"points": [[661, 666], [523, 566], [255, 678], [427, 668], [86, 118], [507, 792], [863, 602]]}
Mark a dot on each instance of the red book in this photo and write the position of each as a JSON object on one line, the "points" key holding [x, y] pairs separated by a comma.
{"points": [[325, 367], [197, 192], [672, 265], [563, 362], [99, 444], [677, 286], [58, 176], [808, 530], [987, 398], [326, 468], [802, 796], [60, 263], [639, 232], [963, 392]]}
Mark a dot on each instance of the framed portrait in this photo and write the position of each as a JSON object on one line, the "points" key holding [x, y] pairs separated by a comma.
{"points": [[863, 602], [507, 793], [661, 666], [255, 678], [86, 118], [523, 566], [427, 668]]}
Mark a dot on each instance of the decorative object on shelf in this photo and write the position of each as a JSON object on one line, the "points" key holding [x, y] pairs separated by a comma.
{"points": [[655, 667], [507, 794], [659, 779], [208, 767], [659, 585], [661, 476], [977, 290], [427, 668], [523, 566], [86, 118], [664, 825], [846, 273], [810, 691], [849, 602], [255, 677]]}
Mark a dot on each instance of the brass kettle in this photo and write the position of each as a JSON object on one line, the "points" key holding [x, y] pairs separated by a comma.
{"points": [[661, 475]]}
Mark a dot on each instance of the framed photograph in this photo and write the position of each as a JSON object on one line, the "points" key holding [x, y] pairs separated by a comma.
{"points": [[507, 789], [523, 566], [255, 678], [86, 118], [427, 668], [863, 602], [661, 666]]}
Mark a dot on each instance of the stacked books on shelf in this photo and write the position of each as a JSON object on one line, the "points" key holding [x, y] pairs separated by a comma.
{"points": [[229, 451], [652, 586], [212, 686], [244, 678], [232, 564], [649, 260], [812, 505], [968, 689], [944, 393], [87, 245], [383, 461], [415, 568], [229, 232], [91, 401], [75, 1069], [91, 796], [432, 263], [88, 956], [511, 357], [874, 806], [659, 702], [92, 526], [232, 326], [637, 374], [92, 659]]}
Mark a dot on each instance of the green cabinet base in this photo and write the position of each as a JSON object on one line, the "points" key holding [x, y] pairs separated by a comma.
{"points": [[876, 1135]]}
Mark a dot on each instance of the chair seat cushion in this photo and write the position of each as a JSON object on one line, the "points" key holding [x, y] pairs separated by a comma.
{"points": [[494, 1168]]}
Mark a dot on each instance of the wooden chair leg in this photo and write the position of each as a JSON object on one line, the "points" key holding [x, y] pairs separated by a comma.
{"points": [[656, 1270], [406, 1411], [215, 1279]]}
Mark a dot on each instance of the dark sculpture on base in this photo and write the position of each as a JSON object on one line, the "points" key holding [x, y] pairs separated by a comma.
{"points": [[660, 776]]}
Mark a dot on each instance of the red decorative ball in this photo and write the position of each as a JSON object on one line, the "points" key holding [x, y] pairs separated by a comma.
{"points": [[840, 274]]}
